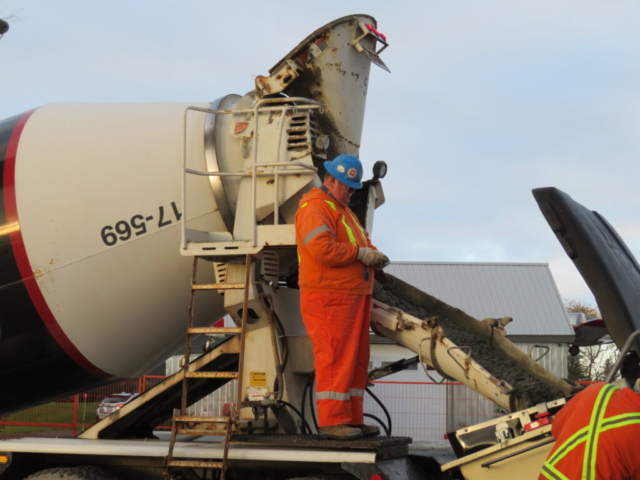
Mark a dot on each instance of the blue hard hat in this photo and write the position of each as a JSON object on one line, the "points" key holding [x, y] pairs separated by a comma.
{"points": [[346, 169]]}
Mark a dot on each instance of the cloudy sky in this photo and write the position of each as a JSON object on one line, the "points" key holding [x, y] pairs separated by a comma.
{"points": [[487, 100]]}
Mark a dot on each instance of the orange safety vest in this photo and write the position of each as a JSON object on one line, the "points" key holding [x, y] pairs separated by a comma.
{"points": [[328, 237], [597, 435]]}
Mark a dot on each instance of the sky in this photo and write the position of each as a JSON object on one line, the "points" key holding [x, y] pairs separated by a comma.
{"points": [[486, 101]]}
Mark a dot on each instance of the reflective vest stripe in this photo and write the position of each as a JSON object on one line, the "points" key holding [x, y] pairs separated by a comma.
{"points": [[576, 439], [352, 238], [331, 204], [551, 473], [362, 232], [316, 231], [590, 435], [597, 416], [621, 421], [329, 395], [356, 392]]}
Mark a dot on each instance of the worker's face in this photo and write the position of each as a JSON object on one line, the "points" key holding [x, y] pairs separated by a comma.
{"points": [[340, 191]]}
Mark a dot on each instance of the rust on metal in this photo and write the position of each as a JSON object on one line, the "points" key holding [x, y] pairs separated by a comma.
{"points": [[219, 286], [201, 419], [211, 375], [192, 464], [214, 330]]}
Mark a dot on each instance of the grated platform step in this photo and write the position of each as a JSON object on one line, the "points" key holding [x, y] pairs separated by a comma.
{"points": [[320, 442]]}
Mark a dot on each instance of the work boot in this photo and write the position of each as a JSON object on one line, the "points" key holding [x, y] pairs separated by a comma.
{"points": [[340, 432], [367, 430]]}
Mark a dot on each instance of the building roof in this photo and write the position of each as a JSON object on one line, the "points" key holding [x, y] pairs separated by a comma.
{"points": [[524, 291]]}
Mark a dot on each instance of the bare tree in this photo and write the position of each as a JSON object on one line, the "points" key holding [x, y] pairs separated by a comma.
{"points": [[593, 363]]}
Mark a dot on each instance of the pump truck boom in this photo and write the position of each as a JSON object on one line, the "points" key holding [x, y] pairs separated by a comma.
{"points": [[154, 191]]}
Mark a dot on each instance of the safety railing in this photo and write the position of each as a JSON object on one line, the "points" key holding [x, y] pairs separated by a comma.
{"points": [[259, 107]]}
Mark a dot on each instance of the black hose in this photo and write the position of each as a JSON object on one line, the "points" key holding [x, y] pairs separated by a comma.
{"points": [[304, 422], [311, 402], [302, 404], [384, 409], [384, 427]]}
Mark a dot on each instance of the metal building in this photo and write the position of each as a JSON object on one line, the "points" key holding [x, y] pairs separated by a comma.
{"points": [[524, 291]]}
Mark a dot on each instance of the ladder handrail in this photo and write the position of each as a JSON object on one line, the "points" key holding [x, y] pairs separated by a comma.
{"points": [[258, 108]]}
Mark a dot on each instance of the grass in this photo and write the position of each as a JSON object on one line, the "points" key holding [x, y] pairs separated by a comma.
{"points": [[55, 412]]}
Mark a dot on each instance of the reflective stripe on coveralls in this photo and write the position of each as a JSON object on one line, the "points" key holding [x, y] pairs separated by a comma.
{"points": [[590, 436], [324, 228], [328, 395], [340, 321]]}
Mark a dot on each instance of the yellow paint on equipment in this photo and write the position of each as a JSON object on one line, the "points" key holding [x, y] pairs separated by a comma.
{"points": [[258, 379]]}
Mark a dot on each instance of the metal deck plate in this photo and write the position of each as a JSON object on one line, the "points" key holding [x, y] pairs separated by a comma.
{"points": [[317, 441]]}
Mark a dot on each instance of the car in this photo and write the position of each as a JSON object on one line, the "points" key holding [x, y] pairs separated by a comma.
{"points": [[113, 403]]}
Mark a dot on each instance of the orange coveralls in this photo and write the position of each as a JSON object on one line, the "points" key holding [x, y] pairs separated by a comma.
{"points": [[335, 301], [597, 434]]}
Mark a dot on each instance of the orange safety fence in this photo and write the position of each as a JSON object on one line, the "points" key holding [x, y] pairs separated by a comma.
{"points": [[421, 410], [69, 416]]}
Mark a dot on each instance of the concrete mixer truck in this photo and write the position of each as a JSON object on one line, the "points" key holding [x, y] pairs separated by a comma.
{"points": [[186, 210]]}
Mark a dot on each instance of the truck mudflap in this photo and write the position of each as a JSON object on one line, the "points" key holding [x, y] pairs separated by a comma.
{"points": [[462, 348]]}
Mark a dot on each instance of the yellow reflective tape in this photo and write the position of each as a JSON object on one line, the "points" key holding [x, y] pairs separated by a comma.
{"points": [[569, 444], [362, 232], [550, 472], [591, 447], [304, 204], [352, 238], [332, 205], [631, 421], [299, 259], [590, 433]]}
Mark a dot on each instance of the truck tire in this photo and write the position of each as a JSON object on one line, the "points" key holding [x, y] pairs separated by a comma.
{"points": [[73, 473]]}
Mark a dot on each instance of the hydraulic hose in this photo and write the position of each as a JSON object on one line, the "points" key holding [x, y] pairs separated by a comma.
{"points": [[304, 421], [384, 427], [384, 409]]}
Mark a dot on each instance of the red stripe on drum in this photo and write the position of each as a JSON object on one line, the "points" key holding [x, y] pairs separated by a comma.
{"points": [[22, 260]]}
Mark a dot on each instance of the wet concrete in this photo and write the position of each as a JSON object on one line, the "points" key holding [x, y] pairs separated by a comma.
{"points": [[529, 390]]}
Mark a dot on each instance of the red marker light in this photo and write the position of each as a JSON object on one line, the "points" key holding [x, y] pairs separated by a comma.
{"points": [[376, 477], [369, 27], [383, 36], [376, 32]]}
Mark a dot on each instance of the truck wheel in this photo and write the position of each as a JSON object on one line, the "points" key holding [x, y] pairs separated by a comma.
{"points": [[73, 473]]}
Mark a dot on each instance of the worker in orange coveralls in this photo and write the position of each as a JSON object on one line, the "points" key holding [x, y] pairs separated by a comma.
{"points": [[597, 432], [337, 261]]}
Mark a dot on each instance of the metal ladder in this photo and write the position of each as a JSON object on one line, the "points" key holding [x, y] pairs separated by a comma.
{"points": [[180, 421]]}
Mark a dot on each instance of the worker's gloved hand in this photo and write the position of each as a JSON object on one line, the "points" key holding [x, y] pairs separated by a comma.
{"points": [[383, 262], [372, 258]]}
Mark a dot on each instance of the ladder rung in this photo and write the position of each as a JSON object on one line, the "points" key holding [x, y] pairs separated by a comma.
{"points": [[218, 286], [199, 330], [202, 433], [201, 419], [191, 463], [211, 374]]}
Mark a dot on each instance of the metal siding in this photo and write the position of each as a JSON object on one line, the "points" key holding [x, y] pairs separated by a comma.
{"points": [[525, 292]]}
